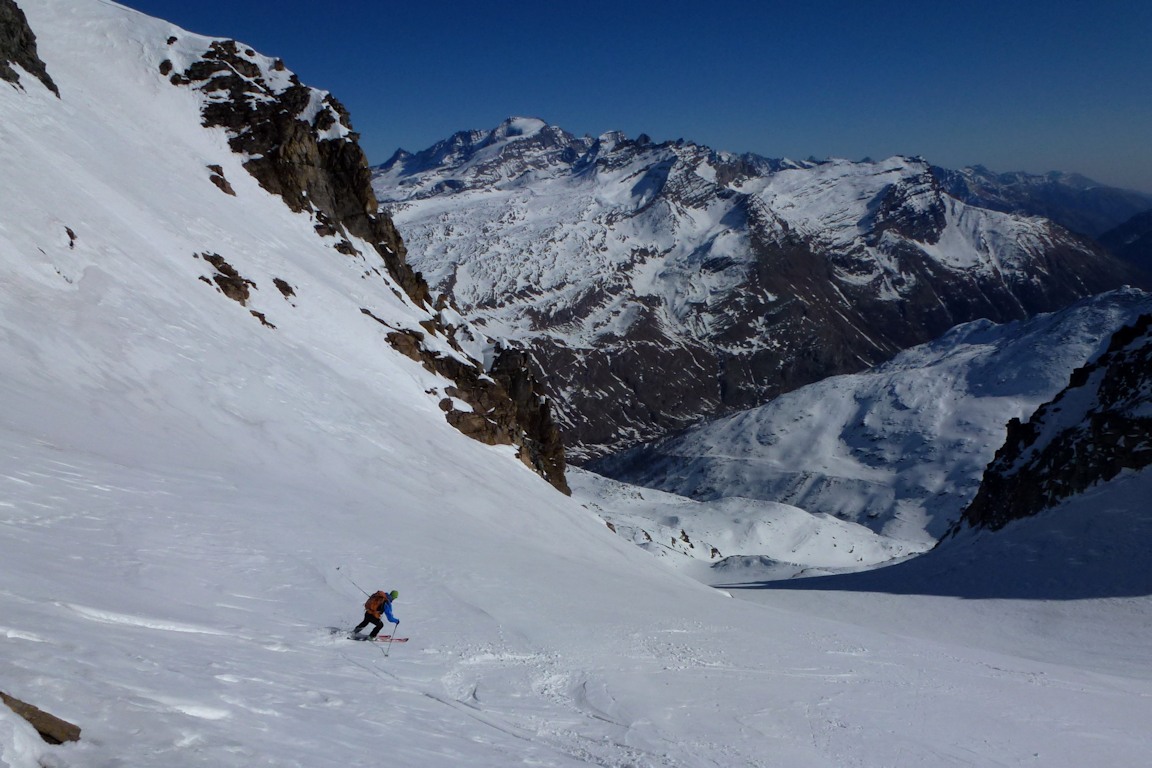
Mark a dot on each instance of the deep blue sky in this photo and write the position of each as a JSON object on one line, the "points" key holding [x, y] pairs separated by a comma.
{"points": [[1014, 85]]}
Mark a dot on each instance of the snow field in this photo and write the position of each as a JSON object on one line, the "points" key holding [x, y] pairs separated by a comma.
{"points": [[748, 537]]}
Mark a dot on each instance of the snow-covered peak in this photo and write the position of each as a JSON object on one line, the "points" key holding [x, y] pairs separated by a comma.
{"points": [[610, 139], [519, 147], [837, 200], [519, 127]]}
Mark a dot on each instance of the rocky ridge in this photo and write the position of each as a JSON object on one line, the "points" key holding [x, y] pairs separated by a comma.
{"points": [[1097, 427], [299, 144], [662, 284]]}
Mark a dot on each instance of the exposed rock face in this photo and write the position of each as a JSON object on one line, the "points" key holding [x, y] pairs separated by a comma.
{"points": [[51, 728], [543, 449], [504, 406], [1098, 426], [234, 285], [18, 46], [217, 178], [300, 146], [911, 208], [660, 285], [1069, 199]]}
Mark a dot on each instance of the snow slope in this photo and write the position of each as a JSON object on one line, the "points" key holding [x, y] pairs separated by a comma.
{"points": [[705, 537], [189, 500], [1069, 585], [900, 448]]}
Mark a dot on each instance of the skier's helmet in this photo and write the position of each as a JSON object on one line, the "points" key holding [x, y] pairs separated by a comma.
{"points": [[393, 594]]}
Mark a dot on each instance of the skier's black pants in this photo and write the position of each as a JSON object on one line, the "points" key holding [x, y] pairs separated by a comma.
{"points": [[370, 619]]}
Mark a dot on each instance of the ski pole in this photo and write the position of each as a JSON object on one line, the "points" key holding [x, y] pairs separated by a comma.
{"points": [[350, 579], [391, 636]]}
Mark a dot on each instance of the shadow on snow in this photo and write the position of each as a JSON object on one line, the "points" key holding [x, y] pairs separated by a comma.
{"points": [[1064, 554]]}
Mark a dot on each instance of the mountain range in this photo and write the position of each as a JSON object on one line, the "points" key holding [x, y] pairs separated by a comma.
{"points": [[660, 285]]}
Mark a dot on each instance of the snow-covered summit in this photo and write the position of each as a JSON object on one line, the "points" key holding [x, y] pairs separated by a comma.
{"points": [[480, 158], [690, 282]]}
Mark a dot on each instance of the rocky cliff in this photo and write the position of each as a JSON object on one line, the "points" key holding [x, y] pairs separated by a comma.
{"points": [[1097, 427], [18, 46]]}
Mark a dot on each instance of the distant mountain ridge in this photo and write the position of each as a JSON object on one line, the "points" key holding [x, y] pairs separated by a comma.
{"points": [[1132, 241], [659, 285], [1071, 200]]}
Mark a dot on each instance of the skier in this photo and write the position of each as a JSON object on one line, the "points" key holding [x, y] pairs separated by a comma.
{"points": [[380, 601]]}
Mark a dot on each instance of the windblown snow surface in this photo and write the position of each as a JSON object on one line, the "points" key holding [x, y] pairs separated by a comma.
{"points": [[191, 502]]}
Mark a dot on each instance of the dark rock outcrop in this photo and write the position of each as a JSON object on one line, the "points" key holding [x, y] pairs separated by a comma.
{"points": [[51, 728], [313, 161], [217, 178], [18, 46], [1098, 426], [505, 406], [234, 285], [542, 447]]}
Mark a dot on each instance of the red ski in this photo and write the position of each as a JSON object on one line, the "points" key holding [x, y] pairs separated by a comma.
{"points": [[381, 638]]}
